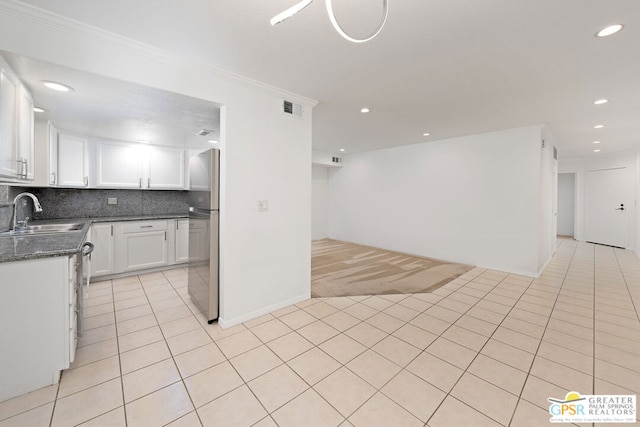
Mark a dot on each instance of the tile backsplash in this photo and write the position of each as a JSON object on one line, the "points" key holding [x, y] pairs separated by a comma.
{"points": [[59, 203]]}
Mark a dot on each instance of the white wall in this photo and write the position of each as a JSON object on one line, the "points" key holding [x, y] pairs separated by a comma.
{"points": [[566, 204], [319, 202], [265, 256], [472, 199], [603, 161], [637, 215]]}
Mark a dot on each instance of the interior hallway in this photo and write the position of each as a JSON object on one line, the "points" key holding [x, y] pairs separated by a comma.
{"points": [[487, 349]]}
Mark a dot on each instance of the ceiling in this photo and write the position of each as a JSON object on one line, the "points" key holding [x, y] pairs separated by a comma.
{"points": [[113, 109], [450, 68]]}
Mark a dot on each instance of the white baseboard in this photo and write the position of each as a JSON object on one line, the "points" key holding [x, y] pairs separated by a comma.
{"points": [[224, 324]]}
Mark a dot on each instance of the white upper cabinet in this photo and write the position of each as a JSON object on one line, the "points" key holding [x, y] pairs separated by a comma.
{"points": [[127, 165], [9, 87], [166, 168], [71, 153], [53, 153], [16, 126], [119, 165], [25, 134]]}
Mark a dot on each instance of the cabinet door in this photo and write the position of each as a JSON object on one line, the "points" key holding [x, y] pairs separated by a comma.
{"points": [[102, 257], [141, 245], [8, 124], [166, 168], [119, 165], [182, 240], [72, 161], [25, 134], [53, 153]]}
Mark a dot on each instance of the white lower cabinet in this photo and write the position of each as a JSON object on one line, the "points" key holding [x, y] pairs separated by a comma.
{"points": [[38, 314], [141, 245], [127, 246], [181, 241], [103, 255]]}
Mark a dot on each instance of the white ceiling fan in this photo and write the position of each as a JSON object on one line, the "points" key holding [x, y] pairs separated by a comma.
{"points": [[304, 3]]}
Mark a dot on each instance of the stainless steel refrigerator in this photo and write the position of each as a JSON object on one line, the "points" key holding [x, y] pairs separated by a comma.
{"points": [[204, 194]]}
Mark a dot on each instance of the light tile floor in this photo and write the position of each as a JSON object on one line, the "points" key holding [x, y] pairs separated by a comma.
{"points": [[487, 349]]}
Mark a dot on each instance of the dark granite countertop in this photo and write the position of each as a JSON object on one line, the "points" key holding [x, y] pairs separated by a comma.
{"points": [[19, 248]]}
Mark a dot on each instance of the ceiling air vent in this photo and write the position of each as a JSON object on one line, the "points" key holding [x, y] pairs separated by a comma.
{"points": [[291, 109], [204, 132]]}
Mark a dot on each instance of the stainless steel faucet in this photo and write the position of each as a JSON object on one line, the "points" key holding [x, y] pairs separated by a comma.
{"points": [[36, 207]]}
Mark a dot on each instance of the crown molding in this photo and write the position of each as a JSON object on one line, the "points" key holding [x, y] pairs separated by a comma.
{"points": [[56, 22]]}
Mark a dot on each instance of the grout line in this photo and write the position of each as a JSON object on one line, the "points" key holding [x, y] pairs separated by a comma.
{"points": [[626, 283], [569, 262], [451, 296], [595, 295], [115, 323], [55, 402]]}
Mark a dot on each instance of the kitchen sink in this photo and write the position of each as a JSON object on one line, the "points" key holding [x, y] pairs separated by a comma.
{"points": [[44, 229]]}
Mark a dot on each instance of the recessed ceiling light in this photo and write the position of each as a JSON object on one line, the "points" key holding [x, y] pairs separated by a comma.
{"points": [[212, 141], [596, 142], [342, 150], [426, 134], [364, 110], [596, 151], [598, 126], [38, 110], [57, 86], [143, 141], [600, 101], [611, 29]]}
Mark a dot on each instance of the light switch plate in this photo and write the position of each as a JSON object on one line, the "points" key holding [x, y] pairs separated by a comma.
{"points": [[112, 200]]}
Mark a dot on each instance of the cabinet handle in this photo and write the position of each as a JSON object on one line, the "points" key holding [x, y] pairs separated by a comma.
{"points": [[111, 229], [26, 168], [53, 178], [148, 182], [146, 226], [86, 181], [177, 225], [140, 182], [165, 235], [20, 171]]}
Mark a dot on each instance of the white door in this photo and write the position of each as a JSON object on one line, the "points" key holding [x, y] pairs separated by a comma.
{"points": [[607, 207], [566, 204]]}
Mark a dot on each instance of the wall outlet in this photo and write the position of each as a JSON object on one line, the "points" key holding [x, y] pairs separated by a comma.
{"points": [[263, 205], [112, 200]]}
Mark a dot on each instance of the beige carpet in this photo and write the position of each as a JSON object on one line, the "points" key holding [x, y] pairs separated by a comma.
{"points": [[342, 269]]}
